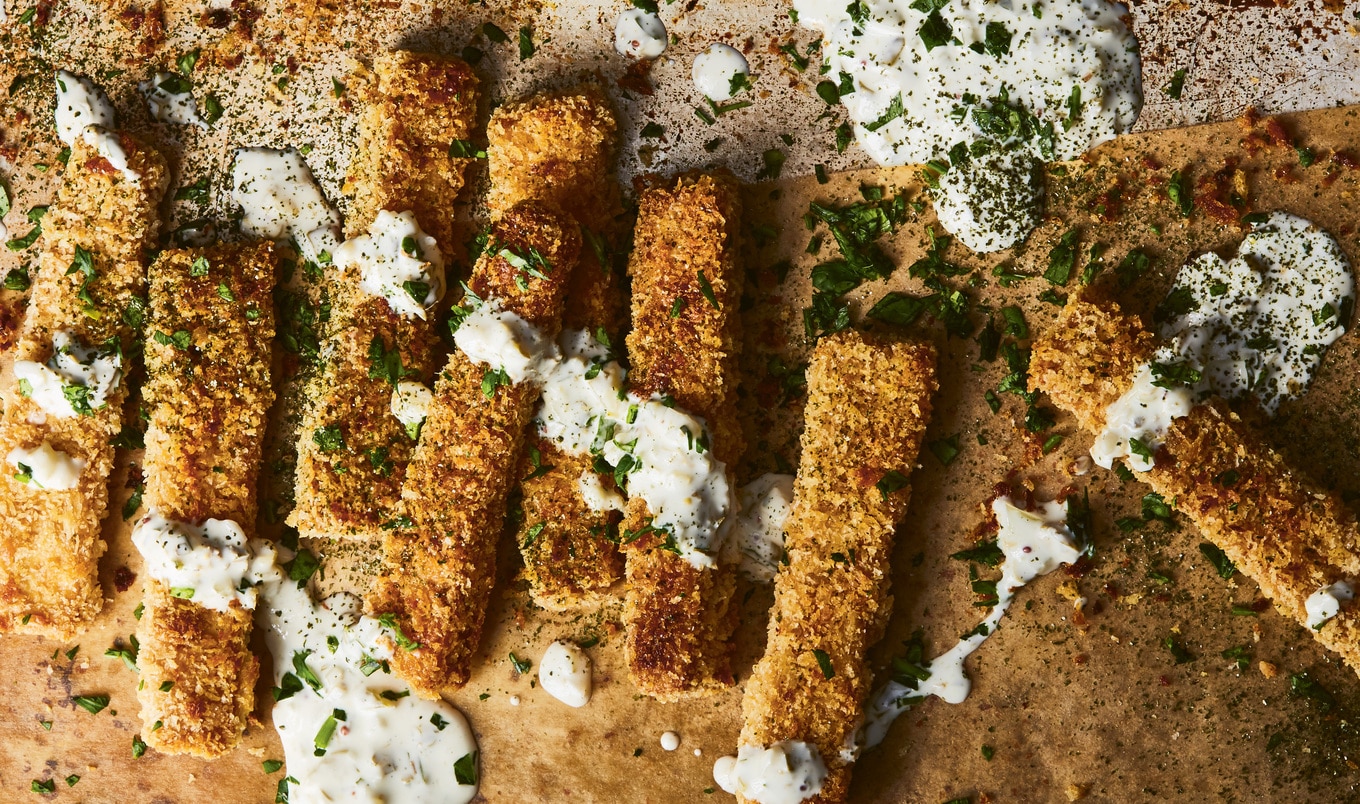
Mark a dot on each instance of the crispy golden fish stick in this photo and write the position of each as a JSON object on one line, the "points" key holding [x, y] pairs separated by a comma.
{"points": [[421, 104], [440, 556], [1279, 527], [90, 282], [685, 341], [869, 401], [209, 407], [559, 147]]}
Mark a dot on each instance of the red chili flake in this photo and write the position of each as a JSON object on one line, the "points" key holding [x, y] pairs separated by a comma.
{"points": [[1165, 681], [123, 578]]}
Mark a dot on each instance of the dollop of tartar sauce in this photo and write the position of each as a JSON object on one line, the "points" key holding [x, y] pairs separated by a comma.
{"points": [[502, 339], [210, 564], [991, 202], [170, 107], [45, 467], [639, 34], [584, 411], [396, 261], [353, 731], [411, 403], [280, 199], [670, 741], [785, 773], [564, 673], [1144, 412], [84, 111], [74, 373], [715, 72], [596, 496], [756, 535], [1259, 323], [924, 78], [1034, 543], [1325, 603]]}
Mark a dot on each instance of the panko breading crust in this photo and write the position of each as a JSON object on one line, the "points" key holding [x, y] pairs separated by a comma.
{"points": [[50, 541], [868, 404], [209, 407], [559, 147], [679, 618], [421, 103], [440, 559], [1278, 526]]}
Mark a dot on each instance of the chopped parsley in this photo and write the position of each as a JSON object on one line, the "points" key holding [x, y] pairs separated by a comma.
{"points": [[1215, 556], [891, 482], [329, 438], [389, 621], [465, 769], [94, 704], [1173, 88], [824, 663]]}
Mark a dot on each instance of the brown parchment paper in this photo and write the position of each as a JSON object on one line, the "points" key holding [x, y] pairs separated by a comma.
{"points": [[1088, 705]]}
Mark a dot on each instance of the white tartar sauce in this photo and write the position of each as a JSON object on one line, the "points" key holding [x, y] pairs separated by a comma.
{"points": [[84, 111], [564, 674], [396, 261], [411, 403], [1325, 603], [351, 731], [170, 107], [720, 72], [502, 339], [785, 773], [663, 452], [670, 741], [1259, 323], [1140, 416], [639, 34], [596, 496], [1034, 543], [918, 79], [280, 199], [45, 467], [210, 564], [75, 379], [756, 535]]}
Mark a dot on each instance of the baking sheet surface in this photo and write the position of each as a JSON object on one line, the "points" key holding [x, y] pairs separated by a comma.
{"points": [[1088, 704]]}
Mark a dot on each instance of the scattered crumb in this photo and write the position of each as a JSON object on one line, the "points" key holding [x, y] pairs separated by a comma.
{"points": [[1269, 670], [1075, 792]]}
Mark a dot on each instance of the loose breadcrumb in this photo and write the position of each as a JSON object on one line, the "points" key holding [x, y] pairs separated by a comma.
{"points": [[683, 343], [869, 401], [421, 103], [50, 541], [440, 556], [1282, 529], [209, 407], [559, 148]]}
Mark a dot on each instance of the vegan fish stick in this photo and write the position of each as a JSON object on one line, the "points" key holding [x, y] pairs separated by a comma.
{"points": [[352, 449], [560, 147], [64, 406], [1287, 533], [684, 344], [869, 401], [208, 391], [440, 554]]}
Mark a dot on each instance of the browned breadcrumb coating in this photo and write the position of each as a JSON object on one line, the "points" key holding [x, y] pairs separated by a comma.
{"points": [[209, 407], [440, 560], [1280, 528], [680, 618], [869, 401], [559, 147], [205, 656], [420, 105], [50, 541]]}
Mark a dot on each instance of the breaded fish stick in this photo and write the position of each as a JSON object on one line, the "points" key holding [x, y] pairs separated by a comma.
{"points": [[869, 401], [421, 104], [90, 282], [209, 407], [684, 343], [559, 147], [440, 556], [1282, 529]]}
